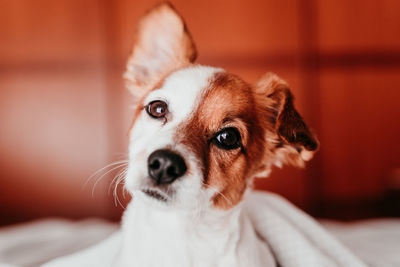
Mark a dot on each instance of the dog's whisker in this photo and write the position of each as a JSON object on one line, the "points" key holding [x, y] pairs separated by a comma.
{"points": [[117, 201], [120, 174], [124, 189], [103, 169], [109, 171], [120, 178], [115, 193]]}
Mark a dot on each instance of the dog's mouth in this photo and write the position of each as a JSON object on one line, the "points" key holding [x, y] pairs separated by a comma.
{"points": [[156, 194]]}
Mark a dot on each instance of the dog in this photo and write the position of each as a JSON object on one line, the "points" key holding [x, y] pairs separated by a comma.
{"points": [[199, 137]]}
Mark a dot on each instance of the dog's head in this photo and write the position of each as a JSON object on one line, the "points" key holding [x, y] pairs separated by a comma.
{"points": [[200, 134]]}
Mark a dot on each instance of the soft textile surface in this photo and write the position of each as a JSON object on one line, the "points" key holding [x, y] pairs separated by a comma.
{"points": [[31, 244], [295, 238], [377, 242]]}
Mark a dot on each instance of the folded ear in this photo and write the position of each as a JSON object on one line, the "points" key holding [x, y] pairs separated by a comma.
{"points": [[162, 45], [294, 140]]}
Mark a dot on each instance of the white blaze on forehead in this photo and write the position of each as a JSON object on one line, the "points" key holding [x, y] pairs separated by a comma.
{"points": [[182, 89]]}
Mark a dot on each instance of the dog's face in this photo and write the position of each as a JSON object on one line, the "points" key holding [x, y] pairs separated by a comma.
{"points": [[200, 134]]}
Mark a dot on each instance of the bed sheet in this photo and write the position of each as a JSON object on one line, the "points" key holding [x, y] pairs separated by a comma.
{"points": [[376, 242]]}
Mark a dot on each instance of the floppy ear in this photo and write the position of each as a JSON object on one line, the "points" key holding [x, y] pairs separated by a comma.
{"points": [[294, 142], [162, 45]]}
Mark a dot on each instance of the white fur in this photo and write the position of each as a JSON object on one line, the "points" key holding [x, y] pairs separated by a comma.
{"points": [[156, 237]]}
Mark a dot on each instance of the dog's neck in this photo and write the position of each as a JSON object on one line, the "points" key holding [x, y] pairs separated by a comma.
{"points": [[162, 236]]}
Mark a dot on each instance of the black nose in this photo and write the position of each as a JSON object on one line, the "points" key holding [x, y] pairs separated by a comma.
{"points": [[165, 166]]}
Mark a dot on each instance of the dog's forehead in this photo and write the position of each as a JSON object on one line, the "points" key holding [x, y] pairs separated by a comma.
{"points": [[229, 98], [183, 89]]}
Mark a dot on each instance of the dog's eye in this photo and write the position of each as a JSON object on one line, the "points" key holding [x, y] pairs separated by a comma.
{"points": [[228, 138], [157, 109]]}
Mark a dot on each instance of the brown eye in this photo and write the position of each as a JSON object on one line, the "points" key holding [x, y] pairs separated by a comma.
{"points": [[228, 138], [157, 109]]}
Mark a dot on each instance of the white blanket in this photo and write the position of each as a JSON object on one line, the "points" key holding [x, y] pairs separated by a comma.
{"points": [[376, 242], [295, 238], [31, 244]]}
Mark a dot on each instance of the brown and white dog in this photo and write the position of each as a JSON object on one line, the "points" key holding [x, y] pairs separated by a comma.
{"points": [[199, 137]]}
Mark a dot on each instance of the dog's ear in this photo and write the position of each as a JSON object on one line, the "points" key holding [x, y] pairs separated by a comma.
{"points": [[162, 45], [293, 141]]}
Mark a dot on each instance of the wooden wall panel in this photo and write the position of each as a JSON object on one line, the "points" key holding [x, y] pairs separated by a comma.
{"points": [[52, 108], [241, 28], [50, 31], [360, 132], [53, 138], [358, 25]]}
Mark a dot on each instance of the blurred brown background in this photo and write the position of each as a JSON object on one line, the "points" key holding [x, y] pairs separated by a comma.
{"points": [[64, 111]]}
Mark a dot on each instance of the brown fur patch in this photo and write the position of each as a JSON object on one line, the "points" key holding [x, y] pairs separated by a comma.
{"points": [[229, 102], [289, 125], [293, 142]]}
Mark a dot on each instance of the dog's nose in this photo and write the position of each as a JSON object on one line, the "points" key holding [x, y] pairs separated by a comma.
{"points": [[165, 166]]}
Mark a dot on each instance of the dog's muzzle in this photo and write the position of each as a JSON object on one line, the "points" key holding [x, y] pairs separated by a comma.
{"points": [[165, 166]]}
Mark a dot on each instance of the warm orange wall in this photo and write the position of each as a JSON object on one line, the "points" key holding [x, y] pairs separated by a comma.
{"points": [[64, 111]]}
